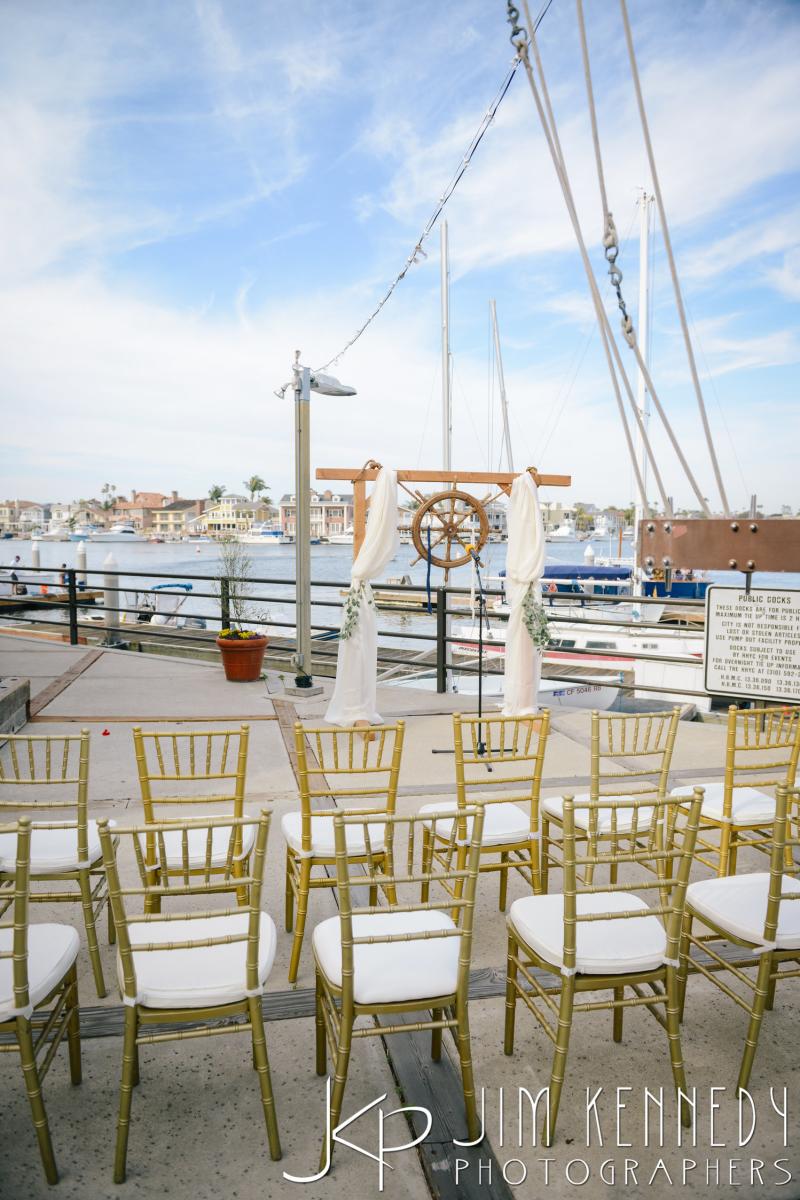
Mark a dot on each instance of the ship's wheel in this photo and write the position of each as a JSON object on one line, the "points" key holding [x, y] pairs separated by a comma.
{"points": [[446, 524]]}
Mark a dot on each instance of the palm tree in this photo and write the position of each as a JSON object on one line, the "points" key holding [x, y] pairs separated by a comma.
{"points": [[216, 492], [254, 485], [109, 491]]}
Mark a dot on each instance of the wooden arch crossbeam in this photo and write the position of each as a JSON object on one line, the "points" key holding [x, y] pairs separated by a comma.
{"points": [[358, 477]]}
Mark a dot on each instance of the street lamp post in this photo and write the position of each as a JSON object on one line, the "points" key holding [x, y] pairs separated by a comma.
{"points": [[305, 381]]}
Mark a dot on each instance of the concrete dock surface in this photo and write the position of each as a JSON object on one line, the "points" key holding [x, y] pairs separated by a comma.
{"points": [[197, 1127]]}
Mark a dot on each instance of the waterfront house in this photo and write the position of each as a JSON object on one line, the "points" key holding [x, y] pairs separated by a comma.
{"points": [[232, 514], [331, 512], [172, 520], [138, 511]]}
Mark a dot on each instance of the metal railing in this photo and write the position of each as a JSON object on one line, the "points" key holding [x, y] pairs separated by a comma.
{"points": [[76, 590]]}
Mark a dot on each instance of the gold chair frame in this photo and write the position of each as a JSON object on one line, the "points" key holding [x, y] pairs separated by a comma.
{"points": [[35, 1032], [208, 752], [338, 754], [52, 768], [506, 740], [617, 739], [205, 1021], [751, 734], [763, 957], [651, 988], [336, 1008]]}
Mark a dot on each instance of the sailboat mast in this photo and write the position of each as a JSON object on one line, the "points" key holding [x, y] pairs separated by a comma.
{"points": [[642, 397], [502, 384], [447, 405]]}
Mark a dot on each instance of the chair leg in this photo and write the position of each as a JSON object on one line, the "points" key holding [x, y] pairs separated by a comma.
{"points": [[91, 932], [673, 1019], [560, 1056], [427, 851], [33, 1087], [733, 852], [264, 1080], [388, 869], [765, 968], [289, 902], [129, 1052], [536, 868], [545, 854], [503, 882], [300, 924], [773, 979], [683, 957], [464, 1048], [618, 1014], [436, 1035], [511, 995], [724, 850], [339, 1082], [74, 1028], [112, 929], [321, 1039]]}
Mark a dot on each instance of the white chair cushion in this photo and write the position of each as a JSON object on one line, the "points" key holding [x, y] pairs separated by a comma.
{"points": [[737, 904], [392, 972], [554, 807], [198, 842], [203, 976], [52, 850], [613, 947], [322, 840], [52, 949], [748, 805], [502, 823]]}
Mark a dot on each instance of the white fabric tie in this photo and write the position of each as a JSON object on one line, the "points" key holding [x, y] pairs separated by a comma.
{"points": [[26, 1013], [568, 971], [672, 962], [256, 991], [131, 1001]]}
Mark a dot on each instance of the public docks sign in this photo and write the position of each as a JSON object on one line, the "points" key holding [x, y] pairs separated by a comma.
{"points": [[753, 643]]}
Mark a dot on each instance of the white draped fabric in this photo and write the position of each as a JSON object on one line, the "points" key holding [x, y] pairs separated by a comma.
{"points": [[355, 693], [524, 567]]}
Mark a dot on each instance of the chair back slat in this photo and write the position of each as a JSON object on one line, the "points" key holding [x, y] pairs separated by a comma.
{"points": [[155, 884], [42, 772], [762, 747], [648, 843], [505, 754], [631, 753], [461, 906], [354, 763], [191, 767]]}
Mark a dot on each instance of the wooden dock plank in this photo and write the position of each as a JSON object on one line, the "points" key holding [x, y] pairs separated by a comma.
{"points": [[54, 689]]}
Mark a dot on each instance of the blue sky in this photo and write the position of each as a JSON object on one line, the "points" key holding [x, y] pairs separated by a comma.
{"points": [[193, 190]]}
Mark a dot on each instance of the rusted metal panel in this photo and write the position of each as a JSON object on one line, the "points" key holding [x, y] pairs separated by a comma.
{"points": [[720, 544]]}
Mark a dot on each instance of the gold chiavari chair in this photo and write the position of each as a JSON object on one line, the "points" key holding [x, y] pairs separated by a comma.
{"points": [[505, 754], [51, 775], [410, 956], [597, 938], [347, 765], [37, 965], [761, 751], [206, 768], [630, 756], [756, 911], [201, 967]]}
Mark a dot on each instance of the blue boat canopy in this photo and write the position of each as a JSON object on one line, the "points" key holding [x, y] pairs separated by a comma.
{"points": [[170, 587], [583, 571]]}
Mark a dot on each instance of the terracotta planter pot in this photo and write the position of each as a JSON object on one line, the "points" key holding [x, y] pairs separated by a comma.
{"points": [[243, 659]]}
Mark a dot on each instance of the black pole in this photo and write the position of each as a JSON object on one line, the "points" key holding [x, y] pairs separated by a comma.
{"points": [[225, 602], [441, 639], [72, 593]]}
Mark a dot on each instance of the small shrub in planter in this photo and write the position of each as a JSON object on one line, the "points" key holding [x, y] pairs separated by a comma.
{"points": [[242, 654]]}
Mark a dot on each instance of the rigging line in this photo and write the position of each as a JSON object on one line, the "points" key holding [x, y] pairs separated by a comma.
{"points": [[610, 243], [670, 258], [413, 257], [519, 39]]}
